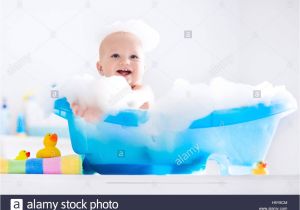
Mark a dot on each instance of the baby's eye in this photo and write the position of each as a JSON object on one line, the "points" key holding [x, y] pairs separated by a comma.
{"points": [[134, 57], [115, 55]]}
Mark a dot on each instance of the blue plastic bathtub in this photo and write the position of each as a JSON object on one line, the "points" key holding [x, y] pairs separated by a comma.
{"points": [[236, 138]]}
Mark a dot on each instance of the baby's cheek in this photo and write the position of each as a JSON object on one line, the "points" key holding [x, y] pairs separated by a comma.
{"points": [[108, 70], [138, 77]]}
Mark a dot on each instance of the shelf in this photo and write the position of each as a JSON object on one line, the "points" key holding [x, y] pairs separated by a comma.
{"points": [[171, 184]]}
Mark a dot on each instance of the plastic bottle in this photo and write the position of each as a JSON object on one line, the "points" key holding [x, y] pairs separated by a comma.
{"points": [[4, 118]]}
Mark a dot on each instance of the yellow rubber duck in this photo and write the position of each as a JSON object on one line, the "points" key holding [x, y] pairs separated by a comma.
{"points": [[260, 169], [50, 150], [23, 155]]}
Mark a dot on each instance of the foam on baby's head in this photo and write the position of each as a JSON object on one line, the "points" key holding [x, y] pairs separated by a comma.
{"points": [[148, 36]]}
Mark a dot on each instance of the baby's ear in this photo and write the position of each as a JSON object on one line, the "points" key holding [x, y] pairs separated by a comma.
{"points": [[99, 67]]}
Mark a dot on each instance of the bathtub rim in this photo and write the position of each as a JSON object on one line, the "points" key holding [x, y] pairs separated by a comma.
{"points": [[217, 118]]}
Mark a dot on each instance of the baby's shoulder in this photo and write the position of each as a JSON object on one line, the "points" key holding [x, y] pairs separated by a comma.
{"points": [[142, 88]]}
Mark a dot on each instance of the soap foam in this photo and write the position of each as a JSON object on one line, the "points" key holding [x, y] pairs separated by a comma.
{"points": [[183, 103], [148, 36], [109, 94], [187, 102]]}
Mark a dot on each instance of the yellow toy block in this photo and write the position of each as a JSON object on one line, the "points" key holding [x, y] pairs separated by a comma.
{"points": [[71, 164], [3, 166]]}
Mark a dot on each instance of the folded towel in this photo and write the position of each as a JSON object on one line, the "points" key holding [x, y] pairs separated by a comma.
{"points": [[70, 164]]}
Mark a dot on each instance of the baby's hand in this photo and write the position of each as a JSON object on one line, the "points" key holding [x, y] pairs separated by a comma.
{"points": [[145, 106], [90, 114]]}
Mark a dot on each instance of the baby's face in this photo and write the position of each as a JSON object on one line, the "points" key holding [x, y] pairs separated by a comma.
{"points": [[121, 54]]}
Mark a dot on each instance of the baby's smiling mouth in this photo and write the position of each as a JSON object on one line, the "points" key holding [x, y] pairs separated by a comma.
{"points": [[124, 72]]}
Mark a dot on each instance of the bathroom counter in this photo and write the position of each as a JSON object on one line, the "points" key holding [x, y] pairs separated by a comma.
{"points": [[172, 184], [211, 183]]}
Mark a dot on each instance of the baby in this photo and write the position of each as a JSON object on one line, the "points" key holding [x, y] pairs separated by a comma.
{"points": [[121, 53]]}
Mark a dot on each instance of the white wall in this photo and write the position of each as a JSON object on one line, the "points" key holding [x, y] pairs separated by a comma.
{"points": [[246, 41], [1, 49]]}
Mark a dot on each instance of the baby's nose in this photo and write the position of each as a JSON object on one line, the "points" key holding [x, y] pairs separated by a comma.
{"points": [[125, 61]]}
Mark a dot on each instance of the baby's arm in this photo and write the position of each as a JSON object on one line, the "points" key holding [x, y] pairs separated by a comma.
{"points": [[90, 114], [141, 97]]}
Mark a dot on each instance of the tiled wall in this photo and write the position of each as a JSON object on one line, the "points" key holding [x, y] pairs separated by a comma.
{"points": [[246, 41]]}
